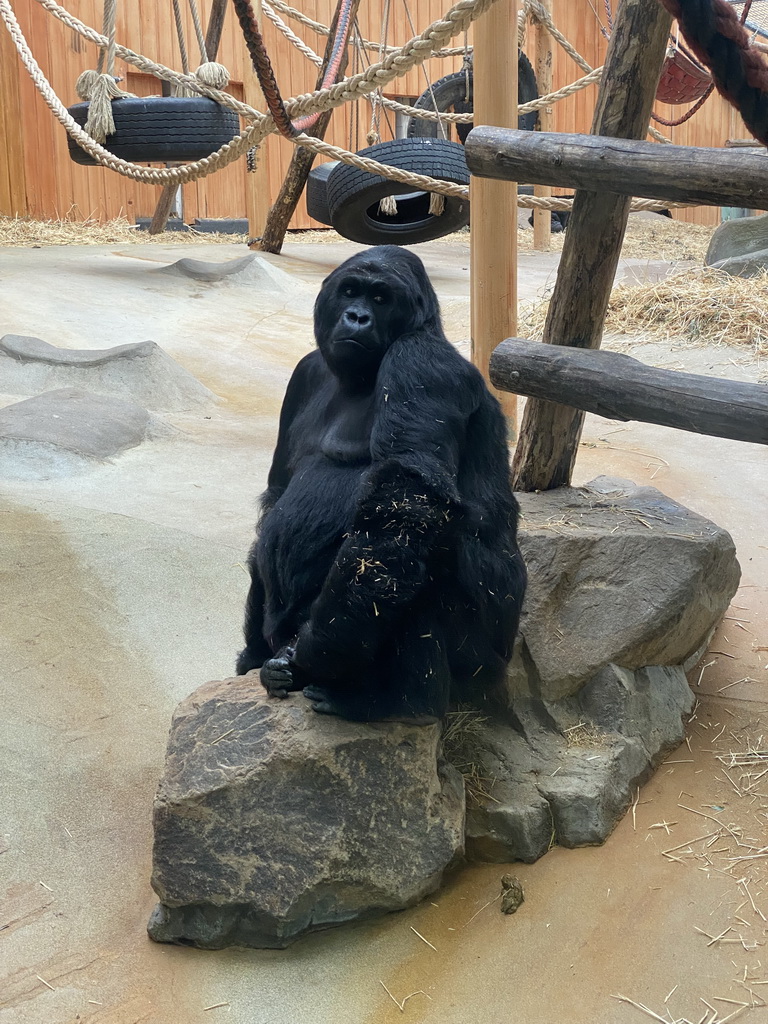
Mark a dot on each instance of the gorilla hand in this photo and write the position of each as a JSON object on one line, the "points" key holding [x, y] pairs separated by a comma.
{"points": [[277, 676]]}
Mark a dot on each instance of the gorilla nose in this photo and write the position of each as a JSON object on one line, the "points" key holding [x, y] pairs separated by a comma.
{"points": [[357, 318]]}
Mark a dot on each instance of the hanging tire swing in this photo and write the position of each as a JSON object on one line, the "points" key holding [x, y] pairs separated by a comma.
{"points": [[161, 129], [453, 94], [355, 197], [152, 129]]}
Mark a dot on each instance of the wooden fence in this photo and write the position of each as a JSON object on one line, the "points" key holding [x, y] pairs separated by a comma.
{"points": [[37, 178]]}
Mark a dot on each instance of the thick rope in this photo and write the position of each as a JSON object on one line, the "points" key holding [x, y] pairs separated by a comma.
{"points": [[414, 52], [98, 88], [289, 34], [713, 32], [262, 65]]}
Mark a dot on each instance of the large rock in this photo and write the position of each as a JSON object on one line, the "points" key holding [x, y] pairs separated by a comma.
{"points": [[142, 372], [625, 589], [272, 821], [617, 574], [740, 246], [68, 431]]}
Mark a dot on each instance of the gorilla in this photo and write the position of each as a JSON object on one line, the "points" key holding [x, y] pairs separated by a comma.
{"points": [[385, 578]]}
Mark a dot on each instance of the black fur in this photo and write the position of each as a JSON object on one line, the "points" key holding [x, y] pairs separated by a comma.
{"points": [[386, 573]]}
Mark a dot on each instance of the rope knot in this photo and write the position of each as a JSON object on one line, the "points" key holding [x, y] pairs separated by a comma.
{"points": [[98, 90], [214, 75]]}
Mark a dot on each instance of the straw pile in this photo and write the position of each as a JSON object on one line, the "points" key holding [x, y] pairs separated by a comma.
{"points": [[700, 306], [21, 232]]}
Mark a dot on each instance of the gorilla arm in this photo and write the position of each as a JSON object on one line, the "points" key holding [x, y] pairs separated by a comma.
{"points": [[300, 387], [408, 507]]}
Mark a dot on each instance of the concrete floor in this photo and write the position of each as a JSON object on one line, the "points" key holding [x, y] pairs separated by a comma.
{"points": [[123, 591]]}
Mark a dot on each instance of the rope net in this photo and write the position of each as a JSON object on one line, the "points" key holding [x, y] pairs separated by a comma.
{"points": [[394, 62]]}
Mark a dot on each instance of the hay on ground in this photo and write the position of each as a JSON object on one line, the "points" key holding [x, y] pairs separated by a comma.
{"points": [[700, 306]]}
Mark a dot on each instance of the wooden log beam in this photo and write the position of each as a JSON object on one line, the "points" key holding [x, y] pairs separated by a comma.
{"points": [[619, 387], [549, 435], [685, 174]]}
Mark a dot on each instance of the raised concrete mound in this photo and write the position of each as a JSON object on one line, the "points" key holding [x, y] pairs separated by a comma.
{"points": [[142, 372], [272, 821], [740, 246], [625, 589], [63, 432], [252, 270]]}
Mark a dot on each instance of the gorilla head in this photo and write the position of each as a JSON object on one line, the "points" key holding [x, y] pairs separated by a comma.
{"points": [[369, 302]]}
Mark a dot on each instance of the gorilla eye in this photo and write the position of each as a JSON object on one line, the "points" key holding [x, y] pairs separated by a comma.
{"points": [[379, 298], [348, 290]]}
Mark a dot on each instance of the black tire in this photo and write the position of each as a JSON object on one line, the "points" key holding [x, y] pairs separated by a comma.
{"points": [[454, 94], [354, 195], [317, 191], [161, 129]]}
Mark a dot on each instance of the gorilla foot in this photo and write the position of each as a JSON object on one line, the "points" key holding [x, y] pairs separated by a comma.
{"points": [[361, 708], [277, 677]]}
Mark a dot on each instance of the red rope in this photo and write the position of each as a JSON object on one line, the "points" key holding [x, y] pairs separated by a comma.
{"points": [[714, 33], [265, 72], [688, 114]]}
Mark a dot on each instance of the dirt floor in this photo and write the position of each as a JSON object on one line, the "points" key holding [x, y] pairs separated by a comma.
{"points": [[123, 590]]}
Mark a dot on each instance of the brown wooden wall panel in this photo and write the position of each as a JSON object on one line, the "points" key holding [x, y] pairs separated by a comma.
{"points": [[38, 179]]}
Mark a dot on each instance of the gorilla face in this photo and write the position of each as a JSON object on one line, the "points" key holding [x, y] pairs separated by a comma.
{"points": [[368, 303]]}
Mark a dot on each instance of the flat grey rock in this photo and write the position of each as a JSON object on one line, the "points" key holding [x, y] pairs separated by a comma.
{"points": [[63, 431], [570, 769], [749, 265], [142, 372], [272, 821], [739, 237]]}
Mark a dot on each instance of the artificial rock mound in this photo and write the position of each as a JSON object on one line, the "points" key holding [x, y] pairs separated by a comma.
{"points": [[272, 821], [141, 372]]}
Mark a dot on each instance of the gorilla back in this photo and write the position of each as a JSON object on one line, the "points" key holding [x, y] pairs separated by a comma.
{"points": [[385, 576]]}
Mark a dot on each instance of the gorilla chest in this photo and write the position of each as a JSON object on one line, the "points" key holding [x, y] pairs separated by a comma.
{"points": [[345, 434]]}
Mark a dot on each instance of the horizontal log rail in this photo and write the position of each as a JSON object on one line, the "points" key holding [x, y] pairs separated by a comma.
{"points": [[619, 387], [628, 167]]}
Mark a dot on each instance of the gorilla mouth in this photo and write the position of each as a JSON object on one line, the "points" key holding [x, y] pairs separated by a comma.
{"points": [[354, 341]]}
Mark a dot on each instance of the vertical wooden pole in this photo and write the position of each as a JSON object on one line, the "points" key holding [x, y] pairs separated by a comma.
{"points": [[549, 436], [256, 181], [493, 228], [169, 193], [542, 219]]}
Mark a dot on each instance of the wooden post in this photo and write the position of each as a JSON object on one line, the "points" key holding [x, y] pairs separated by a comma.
{"points": [[257, 190], [549, 437], [542, 219], [301, 162], [169, 192], [215, 26], [493, 228]]}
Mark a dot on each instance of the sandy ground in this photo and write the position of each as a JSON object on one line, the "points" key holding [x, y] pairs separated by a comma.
{"points": [[122, 592]]}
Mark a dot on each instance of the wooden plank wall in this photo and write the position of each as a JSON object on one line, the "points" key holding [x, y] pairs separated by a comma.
{"points": [[38, 179]]}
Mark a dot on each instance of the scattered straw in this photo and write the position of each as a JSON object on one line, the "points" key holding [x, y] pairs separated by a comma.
{"points": [[18, 232], [422, 938], [700, 306]]}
